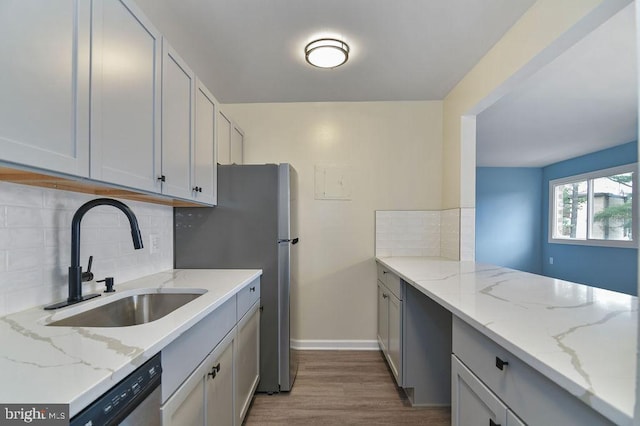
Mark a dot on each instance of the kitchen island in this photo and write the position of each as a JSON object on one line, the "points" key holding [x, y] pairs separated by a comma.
{"points": [[581, 338], [42, 364]]}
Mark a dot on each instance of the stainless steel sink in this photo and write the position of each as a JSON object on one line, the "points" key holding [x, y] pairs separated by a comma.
{"points": [[129, 310]]}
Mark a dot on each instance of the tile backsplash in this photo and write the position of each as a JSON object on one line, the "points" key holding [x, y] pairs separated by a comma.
{"points": [[408, 233], [447, 233], [35, 244], [450, 234]]}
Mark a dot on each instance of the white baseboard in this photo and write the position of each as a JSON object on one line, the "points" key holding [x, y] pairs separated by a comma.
{"points": [[335, 345]]}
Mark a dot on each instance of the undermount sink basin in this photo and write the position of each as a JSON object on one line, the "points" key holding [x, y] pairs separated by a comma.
{"points": [[130, 310]]}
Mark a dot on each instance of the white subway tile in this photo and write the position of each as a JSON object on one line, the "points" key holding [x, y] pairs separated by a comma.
{"points": [[24, 217], [35, 243], [431, 252], [12, 194], [407, 252], [25, 259], [20, 279], [17, 238], [383, 252], [57, 256]]}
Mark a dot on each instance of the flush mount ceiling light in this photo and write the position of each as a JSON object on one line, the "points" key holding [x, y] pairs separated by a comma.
{"points": [[326, 53]]}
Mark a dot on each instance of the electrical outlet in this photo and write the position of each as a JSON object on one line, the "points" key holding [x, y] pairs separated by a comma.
{"points": [[551, 261], [154, 243]]}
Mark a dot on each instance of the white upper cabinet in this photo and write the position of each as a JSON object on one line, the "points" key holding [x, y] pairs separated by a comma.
{"points": [[204, 167], [91, 90], [178, 89], [224, 139], [230, 141], [125, 96], [44, 84], [237, 145]]}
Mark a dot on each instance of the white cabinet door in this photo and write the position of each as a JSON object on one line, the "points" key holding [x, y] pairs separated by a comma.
{"points": [[178, 90], [395, 336], [205, 160], [44, 84], [125, 96], [219, 385], [472, 402], [206, 396], [383, 318], [224, 139], [237, 146], [247, 361]]}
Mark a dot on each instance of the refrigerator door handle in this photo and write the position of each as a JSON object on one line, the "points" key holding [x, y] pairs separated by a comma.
{"points": [[294, 241]]}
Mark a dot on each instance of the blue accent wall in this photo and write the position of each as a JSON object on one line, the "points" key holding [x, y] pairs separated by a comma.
{"points": [[512, 224], [508, 217], [606, 267]]}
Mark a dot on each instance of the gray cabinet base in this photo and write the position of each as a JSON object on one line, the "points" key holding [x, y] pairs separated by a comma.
{"points": [[426, 350]]}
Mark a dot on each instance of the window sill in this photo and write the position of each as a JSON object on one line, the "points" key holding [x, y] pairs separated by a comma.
{"points": [[596, 243]]}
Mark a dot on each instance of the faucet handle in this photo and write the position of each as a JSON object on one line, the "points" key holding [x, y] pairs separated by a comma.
{"points": [[88, 275]]}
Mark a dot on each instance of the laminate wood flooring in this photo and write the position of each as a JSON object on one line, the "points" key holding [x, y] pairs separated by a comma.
{"points": [[342, 388]]}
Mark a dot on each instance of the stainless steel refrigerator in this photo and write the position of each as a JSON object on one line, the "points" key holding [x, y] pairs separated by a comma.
{"points": [[254, 225]]}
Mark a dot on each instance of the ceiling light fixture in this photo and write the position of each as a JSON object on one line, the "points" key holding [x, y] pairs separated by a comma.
{"points": [[326, 53]]}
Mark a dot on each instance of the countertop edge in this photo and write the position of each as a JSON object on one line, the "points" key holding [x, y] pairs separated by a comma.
{"points": [[594, 401]]}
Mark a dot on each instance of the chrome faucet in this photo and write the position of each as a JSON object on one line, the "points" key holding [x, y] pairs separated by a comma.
{"points": [[75, 270]]}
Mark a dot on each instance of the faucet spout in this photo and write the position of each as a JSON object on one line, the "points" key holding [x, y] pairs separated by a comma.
{"points": [[75, 270]]}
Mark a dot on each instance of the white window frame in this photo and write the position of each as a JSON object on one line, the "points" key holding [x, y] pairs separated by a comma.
{"points": [[627, 168]]}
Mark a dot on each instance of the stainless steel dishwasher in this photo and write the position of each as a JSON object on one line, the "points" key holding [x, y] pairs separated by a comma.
{"points": [[133, 401]]}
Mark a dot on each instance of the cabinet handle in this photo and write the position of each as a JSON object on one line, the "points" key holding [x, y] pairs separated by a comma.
{"points": [[195, 189], [162, 178], [492, 423], [252, 289], [214, 371], [500, 363], [385, 295], [384, 272]]}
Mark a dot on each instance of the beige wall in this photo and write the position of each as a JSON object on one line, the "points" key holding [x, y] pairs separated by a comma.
{"points": [[394, 152], [537, 38]]}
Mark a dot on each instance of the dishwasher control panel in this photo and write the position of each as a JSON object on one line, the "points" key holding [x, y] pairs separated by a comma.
{"points": [[123, 398]]}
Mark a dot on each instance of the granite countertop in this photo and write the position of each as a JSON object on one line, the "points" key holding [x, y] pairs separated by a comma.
{"points": [[41, 364], [582, 338]]}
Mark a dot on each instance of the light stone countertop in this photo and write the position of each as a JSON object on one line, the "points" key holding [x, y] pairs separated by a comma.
{"points": [[75, 365], [582, 338]]}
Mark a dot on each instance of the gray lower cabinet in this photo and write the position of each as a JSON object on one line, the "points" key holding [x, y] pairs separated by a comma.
{"points": [[492, 386], [247, 361], [206, 397], [390, 329], [474, 403], [212, 370], [414, 334]]}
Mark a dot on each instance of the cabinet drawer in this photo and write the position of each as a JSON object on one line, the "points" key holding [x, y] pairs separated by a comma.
{"points": [[390, 280], [533, 397], [247, 297]]}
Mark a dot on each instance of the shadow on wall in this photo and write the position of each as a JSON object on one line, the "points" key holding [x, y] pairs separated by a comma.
{"points": [[512, 219]]}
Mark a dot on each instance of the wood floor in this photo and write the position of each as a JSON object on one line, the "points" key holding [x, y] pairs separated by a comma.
{"points": [[342, 388]]}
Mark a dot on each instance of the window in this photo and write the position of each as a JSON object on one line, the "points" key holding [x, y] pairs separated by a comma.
{"points": [[597, 208]]}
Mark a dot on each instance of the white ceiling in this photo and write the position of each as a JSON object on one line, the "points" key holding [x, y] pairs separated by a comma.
{"points": [[252, 50], [582, 102]]}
